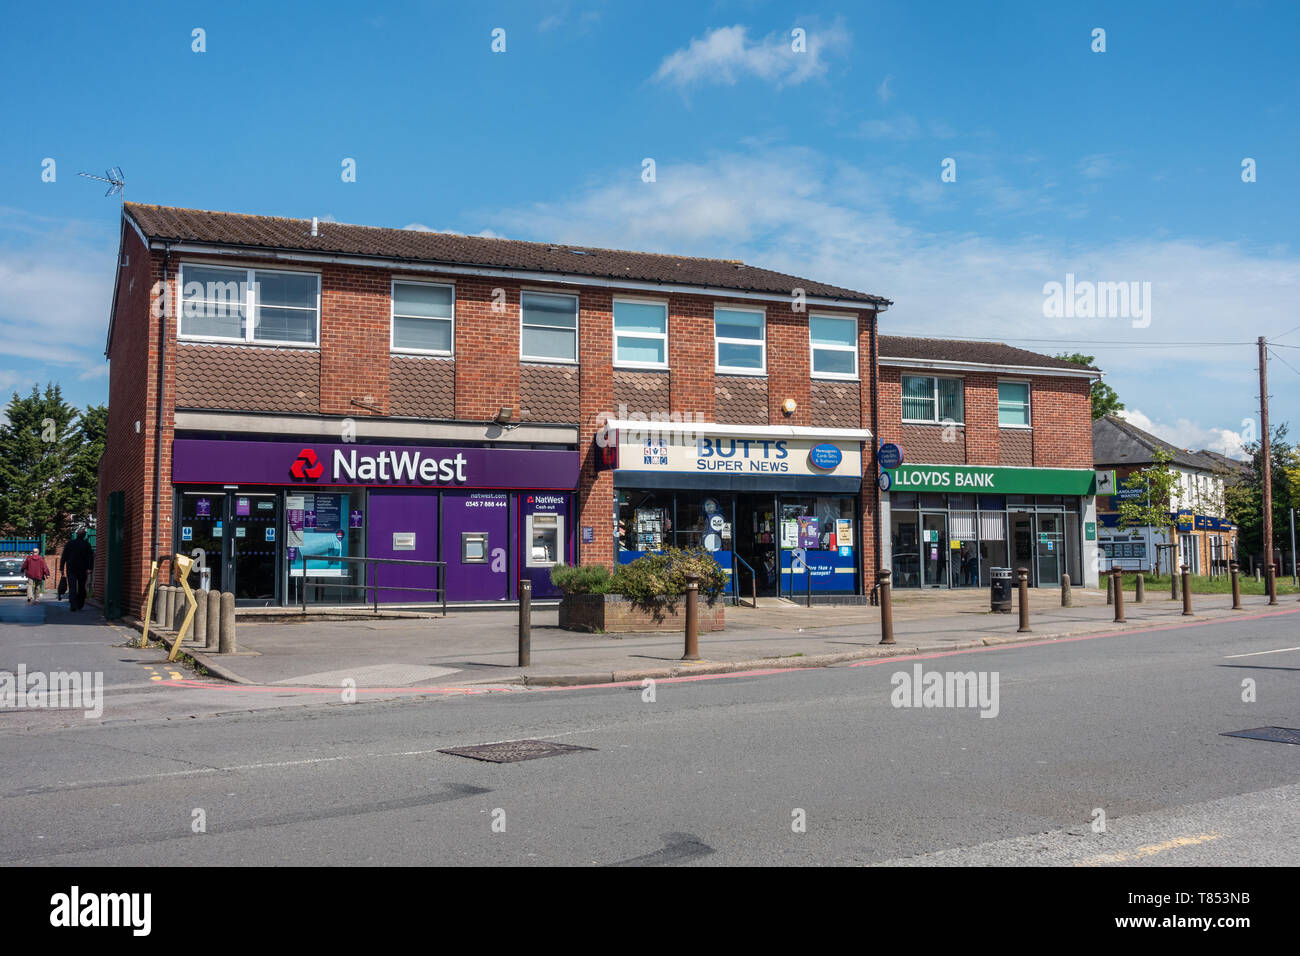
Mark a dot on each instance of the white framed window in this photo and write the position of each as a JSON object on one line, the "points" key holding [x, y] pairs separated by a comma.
{"points": [[256, 306], [640, 333], [1013, 405], [833, 346], [423, 317], [548, 330], [739, 340], [930, 400]]}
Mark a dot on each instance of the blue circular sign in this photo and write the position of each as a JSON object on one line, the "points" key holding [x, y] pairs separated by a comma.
{"points": [[825, 456], [890, 455]]}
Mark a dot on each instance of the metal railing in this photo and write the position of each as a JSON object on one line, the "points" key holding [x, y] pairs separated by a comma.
{"points": [[807, 573], [374, 587], [735, 581]]}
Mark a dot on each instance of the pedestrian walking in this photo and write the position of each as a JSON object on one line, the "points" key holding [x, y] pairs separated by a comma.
{"points": [[77, 561], [36, 571]]}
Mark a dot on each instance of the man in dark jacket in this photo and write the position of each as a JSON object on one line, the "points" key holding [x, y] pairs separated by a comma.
{"points": [[36, 571], [78, 558]]}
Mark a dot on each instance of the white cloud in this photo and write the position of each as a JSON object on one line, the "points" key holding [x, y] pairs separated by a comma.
{"points": [[883, 91], [1190, 435], [791, 209], [1096, 166], [726, 55], [417, 227]]}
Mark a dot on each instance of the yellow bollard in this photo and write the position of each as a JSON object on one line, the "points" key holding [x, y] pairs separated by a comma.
{"points": [[183, 565], [148, 602]]}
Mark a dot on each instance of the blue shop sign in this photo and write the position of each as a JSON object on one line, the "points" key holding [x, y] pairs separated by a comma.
{"points": [[825, 456], [890, 455]]}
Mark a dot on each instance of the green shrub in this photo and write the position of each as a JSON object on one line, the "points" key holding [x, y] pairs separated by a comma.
{"points": [[581, 579], [661, 576]]}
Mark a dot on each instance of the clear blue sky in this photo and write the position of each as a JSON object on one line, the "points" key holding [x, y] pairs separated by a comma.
{"points": [[1115, 166]]}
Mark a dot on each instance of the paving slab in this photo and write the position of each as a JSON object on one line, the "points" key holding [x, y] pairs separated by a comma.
{"points": [[480, 647]]}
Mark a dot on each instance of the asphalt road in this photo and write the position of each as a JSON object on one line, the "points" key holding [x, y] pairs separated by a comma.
{"points": [[712, 771]]}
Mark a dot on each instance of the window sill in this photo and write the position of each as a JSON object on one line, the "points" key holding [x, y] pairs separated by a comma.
{"points": [[1017, 428], [421, 353], [911, 421], [751, 373], [634, 367], [827, 377], [256, 343], [545, 361]]}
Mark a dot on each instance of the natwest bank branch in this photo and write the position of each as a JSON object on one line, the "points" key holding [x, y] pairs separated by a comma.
{"points": [[256, 509]]}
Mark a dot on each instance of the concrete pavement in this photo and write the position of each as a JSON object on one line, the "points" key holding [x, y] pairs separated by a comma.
{"points": [[479, 649]]}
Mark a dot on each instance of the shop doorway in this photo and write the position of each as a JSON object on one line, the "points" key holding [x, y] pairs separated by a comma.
{"points": [[1049, 547], [253, 544], [934, 550], [756, 542], [238, 535]]}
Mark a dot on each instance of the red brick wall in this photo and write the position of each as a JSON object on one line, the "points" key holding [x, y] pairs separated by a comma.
{"points": [[1061, 410], [130, 400], [787, 365], [355, 341], [355, 364]]}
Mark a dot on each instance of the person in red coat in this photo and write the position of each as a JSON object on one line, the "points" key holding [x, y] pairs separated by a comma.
{"points": [[37, 571]]}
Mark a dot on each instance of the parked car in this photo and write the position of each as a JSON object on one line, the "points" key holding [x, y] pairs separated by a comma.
{"points": [[12, 579]]}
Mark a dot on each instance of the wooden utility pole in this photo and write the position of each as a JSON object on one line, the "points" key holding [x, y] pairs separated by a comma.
{"points": [[1267, 453]]}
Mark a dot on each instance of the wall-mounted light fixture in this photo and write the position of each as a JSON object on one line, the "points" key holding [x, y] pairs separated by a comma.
{"points": [[789, 406], [503, 416]]}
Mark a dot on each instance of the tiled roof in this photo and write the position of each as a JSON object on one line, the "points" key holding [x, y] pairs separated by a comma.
{"points": [[1117, 442], [275, 233], [981, 353]]}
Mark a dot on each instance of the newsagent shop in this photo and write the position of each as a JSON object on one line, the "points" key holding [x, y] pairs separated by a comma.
{"points": [[275, 520], [778, 505], [949, 526]]}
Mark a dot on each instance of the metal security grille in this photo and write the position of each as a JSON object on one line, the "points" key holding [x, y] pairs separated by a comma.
{"points": [[513, 751]]}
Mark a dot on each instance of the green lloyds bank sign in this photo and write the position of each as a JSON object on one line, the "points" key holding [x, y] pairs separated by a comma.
{"points": [[992, 481]]}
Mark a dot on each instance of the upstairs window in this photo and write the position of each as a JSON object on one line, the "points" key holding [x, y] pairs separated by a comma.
{"points": [[739, 341], [640, 334], [1013, 404], [549, 327], [423, 317], [259, 306], [931, 400], [834, 345]]}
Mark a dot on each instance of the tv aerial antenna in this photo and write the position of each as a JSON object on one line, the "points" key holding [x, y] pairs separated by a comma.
{"points": [[115, 179]]}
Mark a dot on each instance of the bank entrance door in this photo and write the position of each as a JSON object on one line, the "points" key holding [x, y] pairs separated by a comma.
{"points": [[934, 550], [1049, 545], [1022, 543], [253, 538], [239, 535]]}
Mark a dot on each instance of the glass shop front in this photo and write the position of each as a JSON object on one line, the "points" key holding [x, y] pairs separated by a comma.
{"points": [[274, 522], [781, 512], [954, 539]]}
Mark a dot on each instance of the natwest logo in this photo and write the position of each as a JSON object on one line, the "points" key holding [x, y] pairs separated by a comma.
{"points": [[307, 465]]}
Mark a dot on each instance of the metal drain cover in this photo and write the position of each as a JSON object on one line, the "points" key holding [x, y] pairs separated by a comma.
{"points": [[513, 751], [1281, 735]]}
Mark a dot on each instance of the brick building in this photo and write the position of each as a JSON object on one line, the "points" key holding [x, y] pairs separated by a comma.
{"points": [[996, 464], [286, 394]]}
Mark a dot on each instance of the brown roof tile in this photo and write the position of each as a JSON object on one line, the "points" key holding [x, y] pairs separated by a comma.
{"points": [[334, 238], [958, 350]]}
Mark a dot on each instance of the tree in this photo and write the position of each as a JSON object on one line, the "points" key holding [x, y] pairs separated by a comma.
{"points": [[42, 471], [1104, 398], [83, 478], [1244, 499], [1159, 486]]}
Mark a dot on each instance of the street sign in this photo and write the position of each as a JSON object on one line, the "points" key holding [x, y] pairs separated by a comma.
{"points": [[890, 455]]}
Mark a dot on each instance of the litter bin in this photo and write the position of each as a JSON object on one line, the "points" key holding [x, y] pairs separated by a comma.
{"points": [[1000, 591]]}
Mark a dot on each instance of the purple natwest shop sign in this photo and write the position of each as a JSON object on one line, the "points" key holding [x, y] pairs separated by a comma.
{"points": [[198, 460]]}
